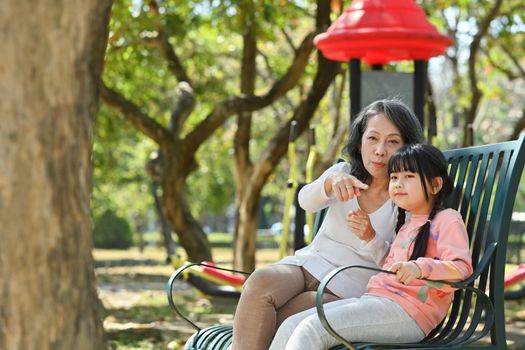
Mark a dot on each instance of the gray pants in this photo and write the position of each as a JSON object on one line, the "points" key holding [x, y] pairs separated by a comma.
{"points": [[364, 319]]}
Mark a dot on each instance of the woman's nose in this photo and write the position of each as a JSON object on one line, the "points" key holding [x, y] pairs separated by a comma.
{"points": [[380, 149]]}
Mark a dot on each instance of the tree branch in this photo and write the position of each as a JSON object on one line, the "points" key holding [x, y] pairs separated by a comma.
{"points": [[185, 105], [472, 73], [174, 63], [507, 71], [513, 58], [288, 39], [238, 104], [140, 120], [326, 72], [278, 146], [518, 128]]}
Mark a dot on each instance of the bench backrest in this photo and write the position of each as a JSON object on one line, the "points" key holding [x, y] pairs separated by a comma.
{"points": [[486, 181]]}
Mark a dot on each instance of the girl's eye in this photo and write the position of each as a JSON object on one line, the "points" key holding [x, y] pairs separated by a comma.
{"points": [[393, 177]]}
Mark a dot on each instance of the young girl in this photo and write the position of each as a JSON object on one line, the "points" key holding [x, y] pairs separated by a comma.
{"points": [[432, 243]]}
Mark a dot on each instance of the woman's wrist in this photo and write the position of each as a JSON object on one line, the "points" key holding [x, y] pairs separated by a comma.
{"points": [[328, 190]]}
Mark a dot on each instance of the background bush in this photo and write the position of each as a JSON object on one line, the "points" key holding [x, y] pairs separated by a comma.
{"points": [[112, 231]]}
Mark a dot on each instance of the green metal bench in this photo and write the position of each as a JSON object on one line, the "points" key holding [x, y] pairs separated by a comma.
{"points": [[486, 179]]}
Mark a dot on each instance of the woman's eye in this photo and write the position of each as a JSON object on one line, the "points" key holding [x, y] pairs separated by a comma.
{"points": [[394, 142]]}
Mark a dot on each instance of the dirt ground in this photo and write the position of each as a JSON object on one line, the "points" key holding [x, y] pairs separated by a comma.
{"points": [[137, 312]]}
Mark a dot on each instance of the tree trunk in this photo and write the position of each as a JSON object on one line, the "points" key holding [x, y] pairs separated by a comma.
{"points": [[477, 94], [245, 230], [164, 224], [191, 236], [253, 175], [49, 80], [246, 207]]}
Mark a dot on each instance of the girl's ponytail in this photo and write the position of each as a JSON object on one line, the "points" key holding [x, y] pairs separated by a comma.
{"points": [[401, 214], [421, 242]]}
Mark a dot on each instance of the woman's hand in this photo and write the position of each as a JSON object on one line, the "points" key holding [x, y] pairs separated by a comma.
{"points": [[405, 271], [344, 186], [359, 222]]}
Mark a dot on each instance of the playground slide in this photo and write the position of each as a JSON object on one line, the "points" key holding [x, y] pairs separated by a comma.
{"points": [[517, 276]]}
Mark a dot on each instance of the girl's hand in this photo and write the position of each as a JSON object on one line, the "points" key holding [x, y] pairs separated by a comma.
{"points": [[359, 222], [406, 272], [344, 186]]}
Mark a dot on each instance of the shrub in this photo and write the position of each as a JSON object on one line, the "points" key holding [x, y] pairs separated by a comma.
{"points": [[112, 231]]}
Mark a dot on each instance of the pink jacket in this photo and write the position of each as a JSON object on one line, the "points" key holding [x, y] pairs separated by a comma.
{"points": [[447, 258]]}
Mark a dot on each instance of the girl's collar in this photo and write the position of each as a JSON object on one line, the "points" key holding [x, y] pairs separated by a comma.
{"points": [[417, 218]]}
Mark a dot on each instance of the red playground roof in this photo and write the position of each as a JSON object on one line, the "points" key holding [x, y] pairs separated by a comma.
{"points": [[381, 31]]}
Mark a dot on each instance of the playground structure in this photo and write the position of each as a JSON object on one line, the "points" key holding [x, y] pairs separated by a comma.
{"points": [[209, 278], [515, 277]]}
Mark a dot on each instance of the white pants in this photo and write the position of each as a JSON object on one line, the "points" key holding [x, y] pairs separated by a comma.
{"points": [[365, 319]]}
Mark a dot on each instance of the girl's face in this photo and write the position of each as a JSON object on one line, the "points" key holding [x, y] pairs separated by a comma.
{"points": [[406, 192], [380, 141]]}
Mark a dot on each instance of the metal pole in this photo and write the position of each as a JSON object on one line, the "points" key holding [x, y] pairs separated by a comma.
{"points": [[290, 190], [355, 87], [310, 166], [420, 75]]}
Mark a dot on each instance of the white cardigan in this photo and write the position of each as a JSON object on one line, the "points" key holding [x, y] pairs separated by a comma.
{"points": [[336, 245]]}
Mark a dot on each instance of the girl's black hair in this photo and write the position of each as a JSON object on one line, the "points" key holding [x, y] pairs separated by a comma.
{"points": [[398, 113], [429, 163]]}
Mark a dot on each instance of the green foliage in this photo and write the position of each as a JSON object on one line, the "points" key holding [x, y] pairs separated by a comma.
{"points": [[112, 232], [207, 38], [119, 156]]}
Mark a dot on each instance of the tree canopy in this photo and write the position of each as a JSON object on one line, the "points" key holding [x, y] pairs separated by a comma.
{"points": [[211, 86]]}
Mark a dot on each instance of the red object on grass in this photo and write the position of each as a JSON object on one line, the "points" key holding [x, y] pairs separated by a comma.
{"points": [[516, 276], [381, 31], [228, 277]]}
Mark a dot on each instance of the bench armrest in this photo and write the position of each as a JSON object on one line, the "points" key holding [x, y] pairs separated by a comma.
{"points": [[180, 273], [464, 285]]}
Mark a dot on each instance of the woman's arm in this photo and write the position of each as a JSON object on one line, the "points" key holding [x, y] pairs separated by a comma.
{"points": [[335, 182], [313, 197], [378, 249]]}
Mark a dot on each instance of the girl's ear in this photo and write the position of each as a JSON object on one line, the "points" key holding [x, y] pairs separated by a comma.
{"points": [[437, 184]]}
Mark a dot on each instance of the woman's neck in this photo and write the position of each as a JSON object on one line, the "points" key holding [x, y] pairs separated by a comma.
{"points": [[379, 184]]}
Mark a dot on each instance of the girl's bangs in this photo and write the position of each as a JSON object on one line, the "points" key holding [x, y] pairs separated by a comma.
{"points": [[403, 161]]}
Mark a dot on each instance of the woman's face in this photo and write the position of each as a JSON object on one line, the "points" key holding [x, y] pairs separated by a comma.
{"points": [[380, 141]]}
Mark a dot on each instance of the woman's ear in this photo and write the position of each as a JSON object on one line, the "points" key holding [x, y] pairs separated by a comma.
{"points": [[437, 185]]}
